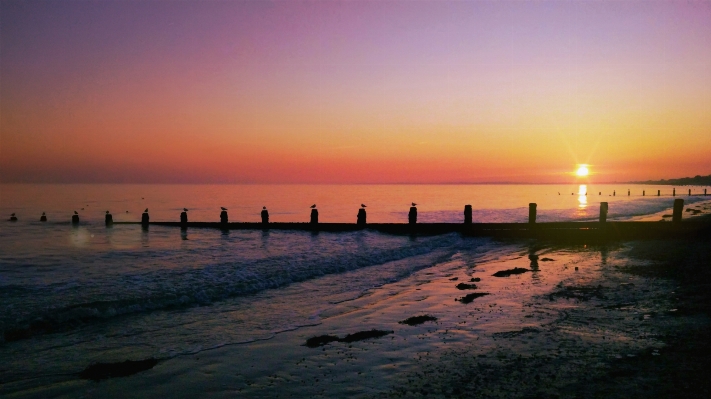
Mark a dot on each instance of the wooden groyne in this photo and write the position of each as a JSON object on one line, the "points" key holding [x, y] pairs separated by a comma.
{"points": [[557, 231]]}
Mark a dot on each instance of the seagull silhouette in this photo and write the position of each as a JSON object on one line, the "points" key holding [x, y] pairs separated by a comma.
{"points": [[76, 213], [313, 206], [185, 209], [363, 205], [43, 214], [146, 210], [223, 208], [414, 204], [13, 214], [107, 212], [264, 207]]}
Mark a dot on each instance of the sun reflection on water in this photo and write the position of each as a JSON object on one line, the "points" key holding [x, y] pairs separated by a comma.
{"points": [[582, 196]]}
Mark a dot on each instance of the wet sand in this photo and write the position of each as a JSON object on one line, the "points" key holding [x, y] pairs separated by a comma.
{"points": [[625, 320]]}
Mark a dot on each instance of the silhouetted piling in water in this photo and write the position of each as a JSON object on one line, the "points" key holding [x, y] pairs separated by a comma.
{"points": [[467, 214], [108, 219], [75, 219], [678, 209], [704, 192], [603, 212], [265, 215], [689, 192], [674, 192], [532, 212], [314, 216], [13, 218], [43, 218], [628, 192], [412, 216], [361, 217], [183, 218], [145, 218], [659, 193], [223, 217], [613, 193], [643, 193]]}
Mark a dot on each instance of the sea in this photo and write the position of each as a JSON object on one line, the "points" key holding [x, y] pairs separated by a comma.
{"points": [[72, 295]]}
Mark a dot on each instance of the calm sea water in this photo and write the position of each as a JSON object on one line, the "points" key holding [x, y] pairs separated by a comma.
{"points": [[71, 295]]}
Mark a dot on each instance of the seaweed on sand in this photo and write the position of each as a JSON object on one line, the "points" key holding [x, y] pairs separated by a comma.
{"points": [[101, 371], [415, 320], [464, 286], [506, 273], [470, 297], [321, 340]]}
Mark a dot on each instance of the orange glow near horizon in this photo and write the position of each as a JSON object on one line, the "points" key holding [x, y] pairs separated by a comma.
{"points": [[344, 92]]}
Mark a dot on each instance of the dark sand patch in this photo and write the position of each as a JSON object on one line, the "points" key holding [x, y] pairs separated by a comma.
{"points": [[454, 279], [416, 320], [102, 371], [509, 272], [475, 279], [546, 260], [581, 293], [471, 297]]}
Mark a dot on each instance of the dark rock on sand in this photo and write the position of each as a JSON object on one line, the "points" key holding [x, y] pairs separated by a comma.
{"points": [[454, 279], [475, 279], [547, 260], [464, 286], [101, 371], [415, 320], [470, 297], [361, 335], [506, 273], [315, 342]]}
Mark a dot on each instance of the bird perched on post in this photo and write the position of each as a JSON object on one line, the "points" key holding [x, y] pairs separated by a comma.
{"points": [[363, 205], [414, 204], [185, 209], [76, 213], [264, 207], [107, 212], [223, 208], [313, 206], [146, 210]]}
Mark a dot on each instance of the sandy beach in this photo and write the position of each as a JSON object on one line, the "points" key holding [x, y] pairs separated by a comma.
{"points": [[622, 320]]}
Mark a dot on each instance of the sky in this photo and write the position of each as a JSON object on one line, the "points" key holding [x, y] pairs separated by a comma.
{"points": [[353, 91]]}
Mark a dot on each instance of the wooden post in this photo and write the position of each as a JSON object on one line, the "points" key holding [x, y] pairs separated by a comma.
{"points": [[412, 216], [532, 213], [75, 219], [223, 217], [265, 215], [361, 217], [613, 193], [659, 193], [43, 218], [704, 192], [674, 192], [678, 209], [603, 212], [145, 218], [689, 192], [628, 192], [314, 216], [183, 218], [467, 214], [642, 193], [108, 219]]}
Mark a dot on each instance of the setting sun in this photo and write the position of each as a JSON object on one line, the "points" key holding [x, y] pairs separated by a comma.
{"points": [[582, 170]]}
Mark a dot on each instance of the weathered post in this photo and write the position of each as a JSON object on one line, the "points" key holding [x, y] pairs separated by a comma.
{"points": [[704, 192], [43, 218], [145, 219], [689, 192], [13, 218], [678, 209], [361, 217], [613, 193], [628, 192], [467, 214], [603, 212], [532, 212], [659, 193], [184, 218], [223, 217], [314, 216], [75, 218], [674, 192], [265, 215], [642, 193], [108, 219], [412, 216]]}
